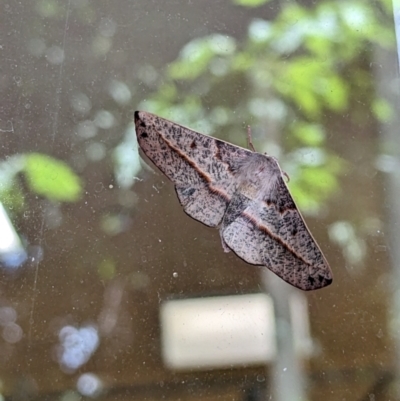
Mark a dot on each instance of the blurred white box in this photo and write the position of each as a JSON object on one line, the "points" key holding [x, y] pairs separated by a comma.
{"points": [[218, 331]]}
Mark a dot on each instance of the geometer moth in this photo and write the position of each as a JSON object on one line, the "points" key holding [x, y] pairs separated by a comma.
{"points": [[241, 192]]}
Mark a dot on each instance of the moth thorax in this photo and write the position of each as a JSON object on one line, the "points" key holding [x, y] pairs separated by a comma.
{"points": [[258, 167], [257, 175]]}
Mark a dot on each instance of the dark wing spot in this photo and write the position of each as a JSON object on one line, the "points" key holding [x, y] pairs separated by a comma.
{"points": [[188, 191], [322, 279], [193, 145], [311, 280], [144, 135]]}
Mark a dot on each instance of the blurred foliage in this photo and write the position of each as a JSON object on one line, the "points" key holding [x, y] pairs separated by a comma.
{"points": [[52, 178], [250, 3], [45, 176], [107, 269], [287, 78]]}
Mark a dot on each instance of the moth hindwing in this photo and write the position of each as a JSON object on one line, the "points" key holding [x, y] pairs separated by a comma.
{"points": [[241, 192]]}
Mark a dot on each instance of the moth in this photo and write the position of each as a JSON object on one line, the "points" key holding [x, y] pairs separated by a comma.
{"points": [[239, 191]]}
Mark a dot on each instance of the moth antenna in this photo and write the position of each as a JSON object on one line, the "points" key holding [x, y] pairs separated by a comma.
{"points": [[249, 139]]}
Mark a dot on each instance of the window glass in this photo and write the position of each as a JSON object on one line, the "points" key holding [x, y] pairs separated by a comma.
{"points": [[108, 289]]}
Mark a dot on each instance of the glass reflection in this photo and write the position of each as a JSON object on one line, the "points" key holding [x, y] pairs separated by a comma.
{"points": [[77, 345]]}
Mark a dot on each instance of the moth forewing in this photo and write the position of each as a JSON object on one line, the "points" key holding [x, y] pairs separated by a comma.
{"points": [[242, 192]]}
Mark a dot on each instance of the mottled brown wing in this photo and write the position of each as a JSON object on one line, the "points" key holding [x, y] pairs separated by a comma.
{"points": [[200, 166], [271, 232]]}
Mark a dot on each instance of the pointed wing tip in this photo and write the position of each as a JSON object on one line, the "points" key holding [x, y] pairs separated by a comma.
{"points": [[138, 119], [138, 116], [141, 118], [142, 115]]}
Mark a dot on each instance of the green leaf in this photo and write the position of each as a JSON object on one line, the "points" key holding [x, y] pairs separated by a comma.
{"points": [[309, 134], [382, 110], [334, 91], [250, 3], [196, 56], [52, 178], [319, 180]]}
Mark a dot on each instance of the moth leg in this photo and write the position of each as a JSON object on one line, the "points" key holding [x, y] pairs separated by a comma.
{"points": [[283, 172], [223, 243], [249, 139], [286, 175]]}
